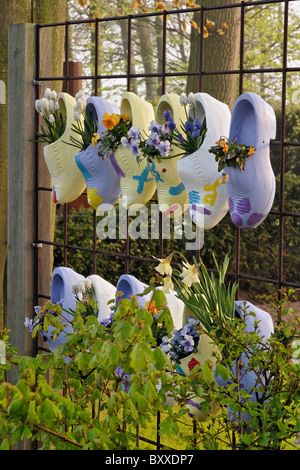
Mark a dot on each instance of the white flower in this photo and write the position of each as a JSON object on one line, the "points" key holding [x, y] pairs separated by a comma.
{"points": [[53, 95], [76, 115], [192, 100], [38, 105], [75, 289], [189, 274], [183, 99], [51, 105], [164, 266], [88, 284], [51, 118], [81, 286], [168, 284], [48, 94], [80, 95]]}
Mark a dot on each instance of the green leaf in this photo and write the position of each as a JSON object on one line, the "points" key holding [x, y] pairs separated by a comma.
{"points": [[160, 299], [222, 371], [160, 359], [16, 406], [141, 356]]}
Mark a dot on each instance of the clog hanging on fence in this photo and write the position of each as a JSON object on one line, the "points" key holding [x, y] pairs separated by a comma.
{"points": [[199, 172], [61, 292], [251, 192], [250, 381], [102, 291], [129, 285], [171, 193], [67, 180], [137, 183], [102, 182]]}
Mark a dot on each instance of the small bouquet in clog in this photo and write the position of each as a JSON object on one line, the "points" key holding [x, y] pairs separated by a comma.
{"points": [[55, 122], [192, 131], [231, 154], [57, 111], [84, 126], [117, 126]]}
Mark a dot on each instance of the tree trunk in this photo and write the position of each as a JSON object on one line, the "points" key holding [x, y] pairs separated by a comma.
{"points": [[12, 12], [221, 52]]}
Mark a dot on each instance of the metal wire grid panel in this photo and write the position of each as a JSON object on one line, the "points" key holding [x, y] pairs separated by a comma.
{"points": [[163, 75]]}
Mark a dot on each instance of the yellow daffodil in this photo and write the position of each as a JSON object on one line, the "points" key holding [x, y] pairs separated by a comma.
{"points": [[189, 274], [164, 266], [124, 117], [95, 139], [168, 284]]}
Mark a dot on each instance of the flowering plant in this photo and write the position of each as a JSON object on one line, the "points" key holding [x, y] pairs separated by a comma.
{"points": [[85, 126], [207, 297], [183, 342], [117, 126], [231, 154], [155, 145], [193, 131], [48, 108]]}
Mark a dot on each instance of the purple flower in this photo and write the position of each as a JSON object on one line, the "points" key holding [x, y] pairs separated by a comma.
{"points": [[125, 142], [164, 148], [195, 132], [134, 148], [171, 125], [188, 126], [154, 127], [197, 123], [180, 138], [134, 132], [153, 140], [167, 115], [188, 344]]}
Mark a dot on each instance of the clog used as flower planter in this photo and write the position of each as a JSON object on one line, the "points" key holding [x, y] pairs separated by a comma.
{"points": [[251, 193], [129, 285], [171, 192], [199, 171], [61, 292], [248, 380], [137, 183], [102, 181], [102, 291], [67, 180], [206, 351]]}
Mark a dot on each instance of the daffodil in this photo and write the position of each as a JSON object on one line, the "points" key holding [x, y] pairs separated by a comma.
{"points": [[189, 274], [168, 284], [164, 266], [95, 139]]}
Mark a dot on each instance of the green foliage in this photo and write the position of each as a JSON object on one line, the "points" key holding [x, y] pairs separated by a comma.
{"points": [[111, 386]]}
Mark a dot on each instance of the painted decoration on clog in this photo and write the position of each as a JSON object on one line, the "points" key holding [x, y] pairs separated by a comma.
{"points": [[199, 172], [102, 181], [251, 187], [67, 180]]}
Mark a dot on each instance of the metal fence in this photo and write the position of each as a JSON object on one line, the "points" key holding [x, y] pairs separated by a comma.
{"points": [[279, 215]]}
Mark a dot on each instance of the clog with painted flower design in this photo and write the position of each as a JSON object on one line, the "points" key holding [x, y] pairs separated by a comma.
{"points": [[102, 182], [67, 181], [171, 192], [251, 192], [199, 171], [137, 183]]}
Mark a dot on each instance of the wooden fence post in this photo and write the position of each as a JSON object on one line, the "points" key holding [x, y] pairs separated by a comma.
{"points": [[21, 186]]}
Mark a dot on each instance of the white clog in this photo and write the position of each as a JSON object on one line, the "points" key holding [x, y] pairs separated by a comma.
{"points": [[199, 171]]}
